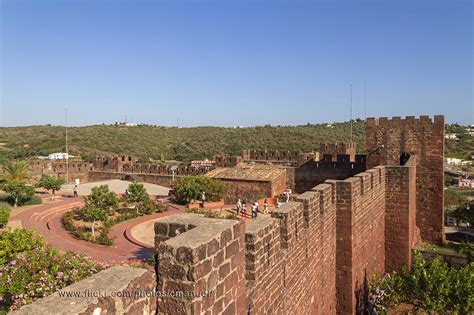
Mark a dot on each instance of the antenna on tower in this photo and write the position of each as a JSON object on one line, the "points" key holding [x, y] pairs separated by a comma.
{"points": [[177, 121], [351, 112], [67, 152]]}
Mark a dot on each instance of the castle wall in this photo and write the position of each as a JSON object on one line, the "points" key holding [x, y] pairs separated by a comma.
{"points": [[197, 254], [250, 191], [335, 149], [313, 173], [360, 236], [76, 169], [400, 215], [314, 255], [387, 139]]}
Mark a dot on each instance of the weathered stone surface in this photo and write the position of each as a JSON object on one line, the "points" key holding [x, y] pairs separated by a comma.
{"points": [[107, 282]]}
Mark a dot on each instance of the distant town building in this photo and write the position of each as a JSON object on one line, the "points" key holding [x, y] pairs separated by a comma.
{"points": [[463, 182], [454, 161], [451, 136], [59, 156]]}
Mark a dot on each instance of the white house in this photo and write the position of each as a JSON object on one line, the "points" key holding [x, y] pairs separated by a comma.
{"points": [[59, 156], [454, 161], [451, 136]]}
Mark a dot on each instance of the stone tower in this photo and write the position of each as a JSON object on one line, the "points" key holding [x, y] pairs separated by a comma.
{"points": [[393, 141]]}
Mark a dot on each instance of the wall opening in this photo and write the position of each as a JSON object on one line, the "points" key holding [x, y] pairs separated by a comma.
{"points": [[404, 157]]}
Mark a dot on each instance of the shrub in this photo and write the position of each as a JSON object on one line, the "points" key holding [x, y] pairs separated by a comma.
{"points": [[140, 199], [34, 200], [190, 188], [20, 192], [49, 182], [17, 241], [4, 215], [35, 273], [102, 198], [432, 287]]}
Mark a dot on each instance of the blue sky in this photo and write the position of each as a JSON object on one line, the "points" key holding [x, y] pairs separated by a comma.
{"points": [[233, 62]]}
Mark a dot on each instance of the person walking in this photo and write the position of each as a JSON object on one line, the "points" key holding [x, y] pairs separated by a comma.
{"points": [[239, 206], [265, 206], [75, 191], [254, 210], [244, 209], [287, 196], [203, 199]]}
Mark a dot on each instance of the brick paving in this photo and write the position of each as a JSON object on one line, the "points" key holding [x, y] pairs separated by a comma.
{"points": [[46, 221]]}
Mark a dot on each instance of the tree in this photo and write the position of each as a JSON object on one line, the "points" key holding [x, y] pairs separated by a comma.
{"points": [[432, 287], [138, 196], [101, 197], [94, 214], [190, 188], [49, 182], [18, 191], [15, 171]]}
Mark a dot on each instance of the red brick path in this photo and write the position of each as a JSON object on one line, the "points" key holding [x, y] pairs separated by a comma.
{"points": [[46, 220]]}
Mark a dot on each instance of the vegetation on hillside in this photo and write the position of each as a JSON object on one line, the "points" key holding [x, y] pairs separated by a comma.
{"points": [[185, 144], [461, 148], [182, 144]]}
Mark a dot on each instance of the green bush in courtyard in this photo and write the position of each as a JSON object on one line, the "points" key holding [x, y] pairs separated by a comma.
{"points": [[4, 214], [190, 188]]}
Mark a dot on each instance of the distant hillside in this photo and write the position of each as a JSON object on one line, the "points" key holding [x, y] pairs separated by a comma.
{"points": [[461, 148], [185, 144], [182, 144]]}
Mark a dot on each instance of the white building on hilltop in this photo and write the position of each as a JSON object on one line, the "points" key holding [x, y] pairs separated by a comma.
{"points": [[59, 156]]}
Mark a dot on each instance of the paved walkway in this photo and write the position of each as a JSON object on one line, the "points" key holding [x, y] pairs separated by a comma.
{"points": [[46, 220], [116, 185]]}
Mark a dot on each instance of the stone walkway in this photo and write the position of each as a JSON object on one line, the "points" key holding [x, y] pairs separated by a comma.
{"points": [[46, 220]]}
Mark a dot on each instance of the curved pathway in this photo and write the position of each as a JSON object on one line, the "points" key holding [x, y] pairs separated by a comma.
{"points": [[46, 220]]}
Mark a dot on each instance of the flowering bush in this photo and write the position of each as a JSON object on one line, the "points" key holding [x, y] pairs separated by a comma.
{"points": [[35, 272]]}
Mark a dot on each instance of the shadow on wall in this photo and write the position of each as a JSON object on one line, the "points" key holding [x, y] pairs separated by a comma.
{"points": [[362, 295]]}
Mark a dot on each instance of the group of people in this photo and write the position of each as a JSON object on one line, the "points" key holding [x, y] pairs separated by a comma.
{"points": [[242, 208]]}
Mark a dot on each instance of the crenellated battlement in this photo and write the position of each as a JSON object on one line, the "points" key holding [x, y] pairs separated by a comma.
{"points": [[407, 121], [335, 149]]}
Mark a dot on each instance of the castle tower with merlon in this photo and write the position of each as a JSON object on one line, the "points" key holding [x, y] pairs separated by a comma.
{"points": [[335, 149], [389, 139]]}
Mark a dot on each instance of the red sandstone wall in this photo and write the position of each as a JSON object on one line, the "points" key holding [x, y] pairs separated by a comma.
{"points": [[213, 263], [76, 169], [387, 139], [313, 173], [290, 259], [360, 235], [400, 215], [250, 191]]}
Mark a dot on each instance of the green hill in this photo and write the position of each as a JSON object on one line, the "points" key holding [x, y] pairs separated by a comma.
{"points": [[182, 144]]}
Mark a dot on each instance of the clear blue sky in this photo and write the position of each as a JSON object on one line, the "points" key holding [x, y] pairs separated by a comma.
{"points": [[233, 62]]}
